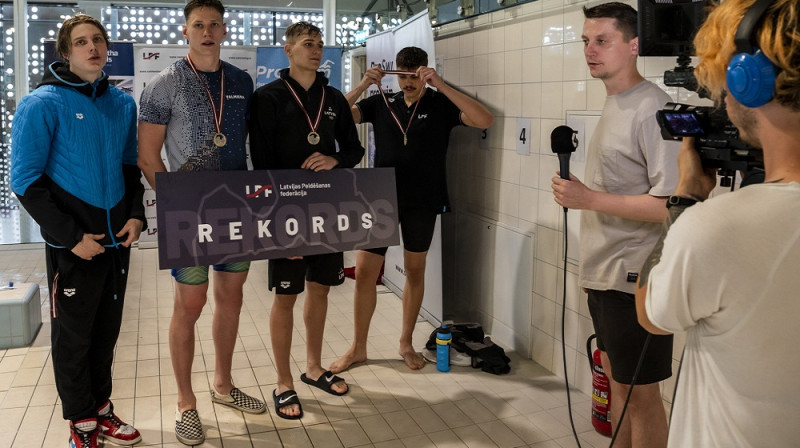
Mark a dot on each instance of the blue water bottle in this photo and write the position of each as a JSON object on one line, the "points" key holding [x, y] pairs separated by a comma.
{"points": [[443, 338]]}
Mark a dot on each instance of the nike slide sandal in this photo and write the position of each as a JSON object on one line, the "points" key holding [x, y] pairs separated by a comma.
{"points": [[325, 382], [287, 398]]}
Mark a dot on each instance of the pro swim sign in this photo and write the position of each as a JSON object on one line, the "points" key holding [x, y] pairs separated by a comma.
{"points": [[213, 217]]}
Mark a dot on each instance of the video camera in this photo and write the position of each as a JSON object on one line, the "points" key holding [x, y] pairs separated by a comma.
{"points": [[667, 28]]}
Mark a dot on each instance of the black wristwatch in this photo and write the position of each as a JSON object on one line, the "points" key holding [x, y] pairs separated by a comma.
{"points": [[680, 200]]}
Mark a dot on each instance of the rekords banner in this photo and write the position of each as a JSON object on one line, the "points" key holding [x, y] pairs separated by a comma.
{"points": [[207, 218]]}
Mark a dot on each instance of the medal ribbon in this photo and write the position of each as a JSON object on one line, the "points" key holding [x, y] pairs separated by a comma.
{"points": [[314, 125], [217, 117], [397, 120]]}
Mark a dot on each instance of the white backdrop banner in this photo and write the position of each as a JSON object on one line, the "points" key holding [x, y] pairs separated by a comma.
{"points": [[380, 51], [148, 61]]}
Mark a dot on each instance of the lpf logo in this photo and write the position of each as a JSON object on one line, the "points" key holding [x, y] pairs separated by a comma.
{"points": [[150, 55], [255, 191]]}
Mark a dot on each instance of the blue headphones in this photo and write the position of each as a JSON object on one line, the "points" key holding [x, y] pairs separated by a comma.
{"points": [[751, 75]]}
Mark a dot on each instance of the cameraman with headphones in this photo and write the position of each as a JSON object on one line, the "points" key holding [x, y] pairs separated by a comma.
{"points": [[728, 269]]}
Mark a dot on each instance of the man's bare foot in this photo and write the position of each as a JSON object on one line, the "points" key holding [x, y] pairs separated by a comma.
{"points": [[349, 358], [413, 360]]}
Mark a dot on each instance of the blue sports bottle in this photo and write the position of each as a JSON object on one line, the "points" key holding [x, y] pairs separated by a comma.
{"points": [[443, 338]]}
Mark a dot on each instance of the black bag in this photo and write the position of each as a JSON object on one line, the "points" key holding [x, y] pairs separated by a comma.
{"points": [[468, 337]]}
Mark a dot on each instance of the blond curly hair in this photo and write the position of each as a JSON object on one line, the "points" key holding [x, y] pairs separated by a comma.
{"points": [[778, 37]]}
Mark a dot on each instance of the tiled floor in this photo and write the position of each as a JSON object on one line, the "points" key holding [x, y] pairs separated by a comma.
{"points": [[388, 406]]}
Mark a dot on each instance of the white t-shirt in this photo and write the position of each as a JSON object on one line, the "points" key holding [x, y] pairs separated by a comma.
{"points": [[729, 275], [626, 156]]}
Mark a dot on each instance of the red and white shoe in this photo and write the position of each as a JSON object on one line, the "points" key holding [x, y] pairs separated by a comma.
{"points": [[83, 433], [115, 430]]}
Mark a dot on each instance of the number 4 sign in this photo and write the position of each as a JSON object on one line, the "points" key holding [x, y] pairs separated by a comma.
{"points": [[524, 136]]}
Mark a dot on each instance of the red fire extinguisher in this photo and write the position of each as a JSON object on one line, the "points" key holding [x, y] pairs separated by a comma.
{"points": [[601, 391]]}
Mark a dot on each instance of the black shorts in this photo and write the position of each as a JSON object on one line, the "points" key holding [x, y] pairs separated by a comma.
{"points": [[416, 227], [622, 338], [289, 276]]}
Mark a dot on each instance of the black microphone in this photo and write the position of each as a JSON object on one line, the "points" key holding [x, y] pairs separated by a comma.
{"points": [[563, 141]]}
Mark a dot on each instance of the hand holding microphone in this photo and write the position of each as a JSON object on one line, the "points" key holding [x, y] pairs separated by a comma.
{"points": [[563, 141]]}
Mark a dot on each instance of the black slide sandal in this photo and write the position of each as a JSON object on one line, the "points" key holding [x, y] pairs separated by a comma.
{"points": [[324, 382], [286, 399]]}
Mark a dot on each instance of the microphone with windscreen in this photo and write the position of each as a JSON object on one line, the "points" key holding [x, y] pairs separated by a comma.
{"points": [[564, 141]]}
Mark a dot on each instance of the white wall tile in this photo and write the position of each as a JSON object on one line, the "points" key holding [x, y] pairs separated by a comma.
{"points": [[548, 245], [532, 33], [509, 199], [529, 170], [481, 70], [549, 211], [496, 66], [574, 95], [552, 29], [573, 25], [545, 279], [513, 100], [552, 101], [552, 63], [544, 314], [558, 363], [510, 166], [452, 50], [439, 46], [528, 203], [542, 351], [497, 40], [513, 35], [571, 324], [452, 71], [467, 72], [575, 62], [532, 100], [510, 133], [595, 94], [513, 66], [467, 45], [532, 64], [656, 66], [495, 99], [481, 42]]}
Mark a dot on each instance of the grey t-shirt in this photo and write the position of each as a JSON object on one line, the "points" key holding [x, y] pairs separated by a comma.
{"points": [[626, 156], [176, 98]]}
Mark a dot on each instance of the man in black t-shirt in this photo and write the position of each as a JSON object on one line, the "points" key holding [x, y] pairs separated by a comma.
{"points": [[412, 131]]}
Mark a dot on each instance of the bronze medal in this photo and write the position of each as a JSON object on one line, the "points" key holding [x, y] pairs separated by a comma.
{"points": [[219, 139], [404, 131], [313, 137]]}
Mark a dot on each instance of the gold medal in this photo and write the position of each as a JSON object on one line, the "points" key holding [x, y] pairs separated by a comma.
{"points": [[313, 138], [219, 139], [405, 140]]}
